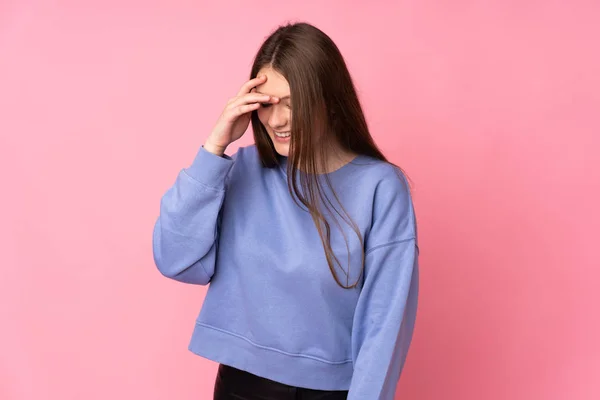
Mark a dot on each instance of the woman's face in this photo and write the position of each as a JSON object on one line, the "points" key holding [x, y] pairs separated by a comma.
{"points": [[276, 118]]}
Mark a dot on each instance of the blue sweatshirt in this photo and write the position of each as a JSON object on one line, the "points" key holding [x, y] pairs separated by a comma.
{"points": [[273, 307]]}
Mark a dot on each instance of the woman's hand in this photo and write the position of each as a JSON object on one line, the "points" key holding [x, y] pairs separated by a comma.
{"points": [[235, 118]]}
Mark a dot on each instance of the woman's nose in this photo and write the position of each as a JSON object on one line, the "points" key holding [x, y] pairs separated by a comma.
{"points": [[277, 119]]}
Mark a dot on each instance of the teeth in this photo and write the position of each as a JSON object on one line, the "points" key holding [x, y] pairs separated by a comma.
{"points": [[282, 134]]}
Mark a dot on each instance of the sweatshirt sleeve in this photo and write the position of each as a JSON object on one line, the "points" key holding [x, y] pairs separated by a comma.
{"points": [[186, 232], [385, 315]]}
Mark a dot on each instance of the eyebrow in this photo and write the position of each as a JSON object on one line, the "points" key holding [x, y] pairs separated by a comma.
{"points": [[280, 98]]}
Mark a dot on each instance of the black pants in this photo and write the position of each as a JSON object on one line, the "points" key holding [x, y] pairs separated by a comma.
{"points": [[234, 384]]}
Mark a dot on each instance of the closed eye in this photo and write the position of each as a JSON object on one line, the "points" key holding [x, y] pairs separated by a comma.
{"points": [[266, 105]]}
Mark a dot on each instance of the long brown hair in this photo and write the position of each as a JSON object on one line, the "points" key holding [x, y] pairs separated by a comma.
{"points": [[325, 112]]}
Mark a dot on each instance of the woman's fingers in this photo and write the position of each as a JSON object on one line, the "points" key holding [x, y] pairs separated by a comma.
{"points": [[246, 87], [249, 98], [247, 104], [253, 98], [246, 108]]}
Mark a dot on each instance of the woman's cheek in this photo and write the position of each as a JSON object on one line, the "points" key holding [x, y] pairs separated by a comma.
{"points": [[262, 115]]}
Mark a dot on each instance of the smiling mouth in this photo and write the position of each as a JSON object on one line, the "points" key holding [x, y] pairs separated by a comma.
{"points": [[282, 134]]}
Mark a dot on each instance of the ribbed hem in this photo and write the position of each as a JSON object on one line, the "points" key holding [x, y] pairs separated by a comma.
{"points": [[294, 370], [210, 169]]}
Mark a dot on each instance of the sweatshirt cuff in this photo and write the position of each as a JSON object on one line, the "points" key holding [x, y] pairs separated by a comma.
{"points": [[209, 169]]}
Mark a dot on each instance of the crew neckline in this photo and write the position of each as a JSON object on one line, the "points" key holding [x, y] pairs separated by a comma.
{"points": [[283, 162]]}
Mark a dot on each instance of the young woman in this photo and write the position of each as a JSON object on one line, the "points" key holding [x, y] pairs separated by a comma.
{"points": [[307, 238]]}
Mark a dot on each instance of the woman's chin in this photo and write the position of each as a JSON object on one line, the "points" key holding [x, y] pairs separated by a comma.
{"points": [[283, 149]]}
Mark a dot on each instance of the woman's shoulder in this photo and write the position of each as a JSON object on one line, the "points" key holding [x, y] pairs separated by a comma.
{"points": [[246, 157], [380, 174], [245, 153], [248, 164], [392, 211]]}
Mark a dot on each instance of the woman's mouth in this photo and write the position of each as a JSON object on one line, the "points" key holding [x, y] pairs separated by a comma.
{"points": [[283, 137]]}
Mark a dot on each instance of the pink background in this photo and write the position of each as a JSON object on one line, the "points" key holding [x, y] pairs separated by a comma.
{"points": [[491, 106]]}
